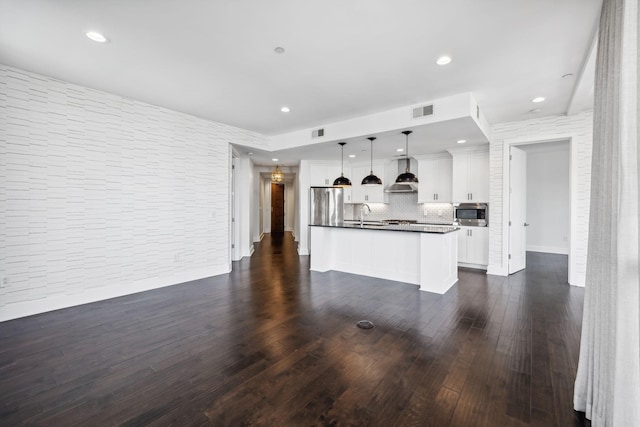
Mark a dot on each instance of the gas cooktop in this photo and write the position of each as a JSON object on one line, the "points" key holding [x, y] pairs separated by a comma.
{"points": [[399, 221]]}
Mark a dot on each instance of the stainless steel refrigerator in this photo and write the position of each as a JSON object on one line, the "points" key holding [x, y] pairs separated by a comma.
{"points": [[326, 206]]}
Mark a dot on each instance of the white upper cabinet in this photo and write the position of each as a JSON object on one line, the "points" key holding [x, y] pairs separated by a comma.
{"points": [[322, 174], [470, 174], [370, 193], [435, 178]]}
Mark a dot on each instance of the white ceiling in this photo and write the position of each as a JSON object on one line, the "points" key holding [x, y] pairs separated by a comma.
{"points": [[427, 139], [215, 58]]}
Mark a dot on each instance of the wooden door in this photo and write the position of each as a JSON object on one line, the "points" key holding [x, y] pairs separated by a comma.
{"points": [[277, 208]]}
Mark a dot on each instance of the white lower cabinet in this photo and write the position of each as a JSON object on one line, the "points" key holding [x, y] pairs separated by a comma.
{"points": [[473, 247]]}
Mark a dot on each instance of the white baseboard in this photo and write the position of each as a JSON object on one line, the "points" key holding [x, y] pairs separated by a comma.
{"points": [[302, 251], [474, 266], [548, 249], [497, 270], [43, 305]]}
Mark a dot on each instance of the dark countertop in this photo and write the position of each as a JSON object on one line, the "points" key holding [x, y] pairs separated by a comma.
{"points": [[414, 228]]}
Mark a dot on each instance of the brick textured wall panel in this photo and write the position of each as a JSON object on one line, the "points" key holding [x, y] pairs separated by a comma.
{"points": [[102, 192], [580, 128]]}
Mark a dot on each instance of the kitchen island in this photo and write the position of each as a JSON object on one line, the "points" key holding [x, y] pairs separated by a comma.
{"points": [[424, 255]]}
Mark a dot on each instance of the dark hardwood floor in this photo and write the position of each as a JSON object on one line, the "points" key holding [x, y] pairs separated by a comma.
{"points": [[274, 344]]}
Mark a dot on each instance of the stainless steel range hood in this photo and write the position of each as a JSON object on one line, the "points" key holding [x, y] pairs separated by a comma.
{"points": [[403, 187]]}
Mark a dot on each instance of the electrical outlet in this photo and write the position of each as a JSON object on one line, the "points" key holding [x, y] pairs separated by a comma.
{"points": [[4, 281], [176, 258]]}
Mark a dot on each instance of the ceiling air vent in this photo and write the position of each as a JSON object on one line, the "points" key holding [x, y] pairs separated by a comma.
{"points": [[318, 133], [426, 110]]}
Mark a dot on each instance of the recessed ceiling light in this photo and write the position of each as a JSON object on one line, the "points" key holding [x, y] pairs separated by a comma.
{"points": [[399, 150], [538, 99], [535, 110], [352, 155], [279, 49], [443, 60], [285, 109], [461, 141], [250, 153], [96, 37], [275, 160]]}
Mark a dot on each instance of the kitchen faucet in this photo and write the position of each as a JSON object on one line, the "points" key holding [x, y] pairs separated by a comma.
{"points": [[362, 213]]}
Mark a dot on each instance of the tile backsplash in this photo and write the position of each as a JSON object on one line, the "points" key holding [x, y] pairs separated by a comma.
{"points": [[404, 206]]}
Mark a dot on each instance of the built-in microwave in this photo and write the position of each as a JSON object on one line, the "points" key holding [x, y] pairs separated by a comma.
{"points": [[473, 214]]}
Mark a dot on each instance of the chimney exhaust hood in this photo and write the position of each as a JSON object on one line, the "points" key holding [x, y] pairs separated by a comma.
{"points": [[403, 187]]}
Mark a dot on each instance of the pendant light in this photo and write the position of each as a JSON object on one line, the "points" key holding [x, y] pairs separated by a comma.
{"points": [[407, 176], [371, 179], [277, 175], [341, 181]]}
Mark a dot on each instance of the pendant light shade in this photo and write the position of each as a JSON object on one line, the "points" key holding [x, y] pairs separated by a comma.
{"points": [[407, 176], [277, 175], [342, 181], [371, 179]]}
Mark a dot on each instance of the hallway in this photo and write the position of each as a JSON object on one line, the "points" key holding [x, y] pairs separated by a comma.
{"points": [[274, 344]]}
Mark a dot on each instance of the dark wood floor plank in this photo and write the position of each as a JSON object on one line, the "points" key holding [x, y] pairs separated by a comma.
{"points": [[274, 344]]}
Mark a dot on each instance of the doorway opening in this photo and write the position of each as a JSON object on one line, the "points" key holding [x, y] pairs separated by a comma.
{"points": [[277, 207], [539, 205]]}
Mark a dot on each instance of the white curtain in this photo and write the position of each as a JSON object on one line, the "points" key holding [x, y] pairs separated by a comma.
{"points": [[607, 385]]}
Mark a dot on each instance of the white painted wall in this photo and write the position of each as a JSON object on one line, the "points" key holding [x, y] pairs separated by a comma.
{"points": [[256, 205], [103, 196], [579, 130], [303, 205], [244, 175], [289, 206], [266, 207], [548, 197]]}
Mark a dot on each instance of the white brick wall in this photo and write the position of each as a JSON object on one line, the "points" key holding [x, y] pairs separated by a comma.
{"points": [[102, 196], [580, 129]]}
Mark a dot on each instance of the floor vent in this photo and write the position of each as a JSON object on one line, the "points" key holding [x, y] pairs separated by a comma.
{"points": [[318, 133], [426, 110], [365, 324]]}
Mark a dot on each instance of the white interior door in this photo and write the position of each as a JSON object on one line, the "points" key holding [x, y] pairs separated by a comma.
{"points": [[517, 209], [234, 226]]}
